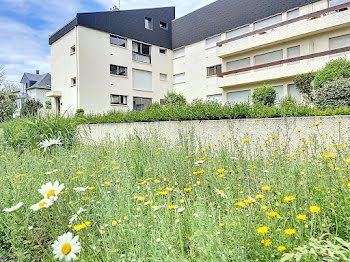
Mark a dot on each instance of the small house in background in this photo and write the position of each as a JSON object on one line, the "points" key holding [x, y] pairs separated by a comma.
{"points": [[34, 86]]}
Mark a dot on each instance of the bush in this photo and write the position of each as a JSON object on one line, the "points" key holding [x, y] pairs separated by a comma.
{"points": [[174, 99], [31, 107], [333, 70], [333, 94], [265, 95], [79, 112], [48, 104], [29, 132], [303, 83], [7, 106]]}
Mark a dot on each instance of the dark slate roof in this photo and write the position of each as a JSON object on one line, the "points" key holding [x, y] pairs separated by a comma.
{"points": [[224, 15], [127, 23], [41, 81]]}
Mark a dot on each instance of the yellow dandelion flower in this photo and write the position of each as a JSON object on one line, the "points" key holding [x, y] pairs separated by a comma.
{"points": [[266, 242], [81, 226], [301, 217], [188, 189], [259, 196], [315, 209], [329, 156], [221, 170], [290, 231], [266, 188], [289, 198], [281, 248], [263, 230]]}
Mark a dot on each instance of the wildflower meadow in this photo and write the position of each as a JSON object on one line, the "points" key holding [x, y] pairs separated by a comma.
{"points": [[145, 199]]}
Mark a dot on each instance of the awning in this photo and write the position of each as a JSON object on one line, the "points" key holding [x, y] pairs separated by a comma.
{"points": [[54, 94]]}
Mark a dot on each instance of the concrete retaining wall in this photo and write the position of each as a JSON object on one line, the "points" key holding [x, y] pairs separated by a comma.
{"points": [[330, 130]]}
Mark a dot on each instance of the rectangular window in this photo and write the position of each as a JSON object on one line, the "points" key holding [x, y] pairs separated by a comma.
{"points": [[211, 42], [237, 32], [293, 92], [337, 2], [238, 64], [163, 25], [179, 53], [142, 80], [163, 77], [268, 57], [179, 78], [339, 42], [140, 103], [141, 52], [267, 22], [72, 50], [293, 14], [118, 70], [148, 23], [119, 100], [239, 96], [216, 98], [293, 52], [162, 51], [213, 70], [280, 93], [73, 81], [116, 40]]}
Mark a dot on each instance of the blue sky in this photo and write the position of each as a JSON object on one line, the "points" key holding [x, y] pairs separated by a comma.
{"points": [[25, 26]]}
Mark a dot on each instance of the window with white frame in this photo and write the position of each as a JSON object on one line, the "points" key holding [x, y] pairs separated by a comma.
{"points": [[118, 41], [337, 2], [268, 21], [179, 78], [149, 23], [163, 25], [239, 96], [118, 70], [140, 103], [293, 52], [119, 100], [293, 14], [268, 57], [293, 92], [213, 70], [163, 77], [339, 42], [141, 52], [162, 51], [72, 50], [215, 98], [237, 32], [73, 81], [211, 42], [238, 64], [179, 53], [279, 92], [142, 80]]}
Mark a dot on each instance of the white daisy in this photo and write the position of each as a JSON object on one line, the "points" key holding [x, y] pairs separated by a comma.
{"points": [[66, 247], [180, 210], [50, 142], [14, 208], [43, 203], [51, 191], [196, 215], [75, 216], [220, 193], [199, 162], [80, 189]]}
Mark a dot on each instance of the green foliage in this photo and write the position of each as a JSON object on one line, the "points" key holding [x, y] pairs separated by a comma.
{"points": [[333, 70], [28, 132], [30, 107], [48, 104], [174, 99], [7, 106], [335, 249], [303, 83], [265, 95], [333, 94], [79, 112]]}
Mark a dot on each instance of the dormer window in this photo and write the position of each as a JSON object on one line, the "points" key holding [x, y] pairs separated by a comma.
{"points": [[148, 23], [163, 25]]}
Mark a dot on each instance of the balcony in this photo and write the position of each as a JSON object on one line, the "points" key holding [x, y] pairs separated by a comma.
{"points": [[282, 69], [306, 25]]}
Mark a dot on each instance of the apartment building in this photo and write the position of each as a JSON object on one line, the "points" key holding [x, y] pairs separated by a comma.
{"points": [[121, 60]]}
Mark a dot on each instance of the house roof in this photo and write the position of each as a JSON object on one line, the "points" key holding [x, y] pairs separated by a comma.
{"points": [[41, 81], [126, 23], [225, 15]]}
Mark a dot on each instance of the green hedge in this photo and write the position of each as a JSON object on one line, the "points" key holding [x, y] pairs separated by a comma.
{"points": [[209, 110]]}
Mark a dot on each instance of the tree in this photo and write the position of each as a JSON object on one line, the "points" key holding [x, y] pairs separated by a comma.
{"points": [[30, 107], [7, 106], [264, 95]]}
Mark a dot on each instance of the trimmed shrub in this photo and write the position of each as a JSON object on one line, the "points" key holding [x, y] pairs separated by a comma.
{"points": [[303, 83], [265, 95], [30, 107], [333, 94], [333, 70], [174, 99]]}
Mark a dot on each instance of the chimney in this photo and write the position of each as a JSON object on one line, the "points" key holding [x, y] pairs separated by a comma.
{"points": [[37, 72], [114, 8]]}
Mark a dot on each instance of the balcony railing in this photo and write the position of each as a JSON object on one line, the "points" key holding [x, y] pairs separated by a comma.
{"points": [[285, 61], [297, 19]]}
